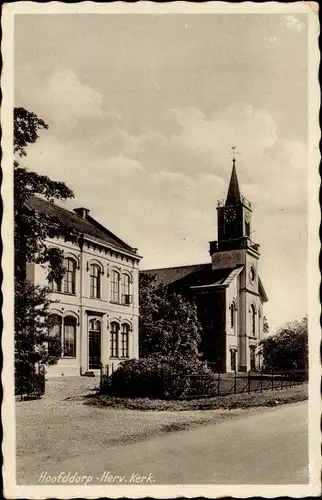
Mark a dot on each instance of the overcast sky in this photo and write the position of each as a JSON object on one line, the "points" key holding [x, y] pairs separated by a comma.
{"points": [[142, 112]]}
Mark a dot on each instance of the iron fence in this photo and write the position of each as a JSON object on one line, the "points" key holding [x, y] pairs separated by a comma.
{"points": [[223, 384], [247, 382]]}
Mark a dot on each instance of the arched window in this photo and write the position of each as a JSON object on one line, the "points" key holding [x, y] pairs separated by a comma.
{"points": [[125, 341], [125, 289], [232, 315], [69, 276], [95, 281], [115, 339], [115, 286], [68, 283], [259, 323], [253, 319], [69, 337], [54, 341]]}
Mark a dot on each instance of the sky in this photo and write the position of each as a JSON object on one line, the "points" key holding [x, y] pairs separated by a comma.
{"points": [[142, 112]]}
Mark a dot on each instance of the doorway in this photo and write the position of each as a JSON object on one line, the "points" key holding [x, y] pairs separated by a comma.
{"points": [[94, 344]]}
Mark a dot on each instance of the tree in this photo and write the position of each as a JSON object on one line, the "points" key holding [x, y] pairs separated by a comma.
{"points": [[168, 324], [30, 230], [288, 348], [265, 326], [33, 344]]}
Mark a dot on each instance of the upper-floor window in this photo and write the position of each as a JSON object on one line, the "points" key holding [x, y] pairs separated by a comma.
{"points": [[115, 286], [95, 281], [253, 319], [70, 276], [114, 339], [125, 340], [232, 315], [68, 283], [125, 289]]}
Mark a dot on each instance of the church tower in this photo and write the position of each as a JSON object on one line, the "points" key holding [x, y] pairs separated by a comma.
{"points": [[234, 250]]}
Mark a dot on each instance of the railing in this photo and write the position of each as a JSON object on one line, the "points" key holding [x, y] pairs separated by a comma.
{"points": [[238, 383], [223, 384]]}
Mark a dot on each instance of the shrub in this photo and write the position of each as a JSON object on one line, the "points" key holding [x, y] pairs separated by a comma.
{"points": [[161, 377]]}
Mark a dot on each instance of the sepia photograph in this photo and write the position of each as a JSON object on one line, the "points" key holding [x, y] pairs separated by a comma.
{"points": [[160, 228]]}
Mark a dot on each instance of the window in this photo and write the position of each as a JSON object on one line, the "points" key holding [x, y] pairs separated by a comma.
{"points": [[125, 341], [54, 343], [69, 340], [68, 283], [125, 289], [252, 358], [114, 340], [69, 276], [232, 315], [247, 228], [259, 323], [233, 360], [63, 331], [95, 281], [115, 286], [253, 320]]}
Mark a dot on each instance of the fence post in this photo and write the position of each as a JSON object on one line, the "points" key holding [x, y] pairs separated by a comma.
{"points": [[272, 379], [262, 380], [235, 382], [218, 383], [248, 381]]}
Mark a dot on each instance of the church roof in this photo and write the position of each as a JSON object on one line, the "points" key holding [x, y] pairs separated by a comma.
{"points": [[168, 275], [220, 278], [199, 275], [261, 290], [233, 195], [85, 225]]}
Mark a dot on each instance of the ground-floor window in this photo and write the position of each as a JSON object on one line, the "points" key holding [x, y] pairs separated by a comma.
{"points": [[114, 339], [125, 341], [233, 360], [64, 330], [252, 351]]}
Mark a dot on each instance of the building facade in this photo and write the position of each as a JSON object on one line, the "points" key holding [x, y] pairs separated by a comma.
{"points": [[95, 308], [228, 292]]}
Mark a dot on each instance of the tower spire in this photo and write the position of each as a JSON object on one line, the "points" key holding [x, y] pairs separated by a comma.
{"points": [[233, 195]]}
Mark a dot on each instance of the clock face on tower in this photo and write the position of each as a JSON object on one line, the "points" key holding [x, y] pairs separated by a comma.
{"points": [[230, 214]]}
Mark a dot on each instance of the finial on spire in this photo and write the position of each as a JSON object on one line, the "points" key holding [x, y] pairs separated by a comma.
{"points": [[234, 154]]}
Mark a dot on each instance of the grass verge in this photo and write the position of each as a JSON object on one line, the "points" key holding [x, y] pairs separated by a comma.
{"points": [[267, 398]]}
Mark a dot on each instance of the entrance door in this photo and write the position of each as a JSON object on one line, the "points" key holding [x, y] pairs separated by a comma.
{"points": [[252, 359], [94, 344]]}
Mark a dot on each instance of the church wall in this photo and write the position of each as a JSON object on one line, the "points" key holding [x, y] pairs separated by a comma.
{"points": [[232, 297]]}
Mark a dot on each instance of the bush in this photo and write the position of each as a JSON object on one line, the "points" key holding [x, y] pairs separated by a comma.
{"points": [[160, 377]]}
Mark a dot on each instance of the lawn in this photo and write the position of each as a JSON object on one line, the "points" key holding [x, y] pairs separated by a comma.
{"points": [[69, 421]]}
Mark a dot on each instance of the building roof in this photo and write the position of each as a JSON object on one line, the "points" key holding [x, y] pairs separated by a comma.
{"points": [[199, 275], [168, 275], [85, 225]]}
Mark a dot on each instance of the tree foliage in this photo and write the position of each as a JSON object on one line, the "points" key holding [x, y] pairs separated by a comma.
{"points": [[161, 377], [168, 323], [31, 230], [288, 348], [33, 342]]}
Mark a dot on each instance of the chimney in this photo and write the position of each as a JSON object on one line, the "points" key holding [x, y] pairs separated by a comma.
{"points": [[83, 212]]}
